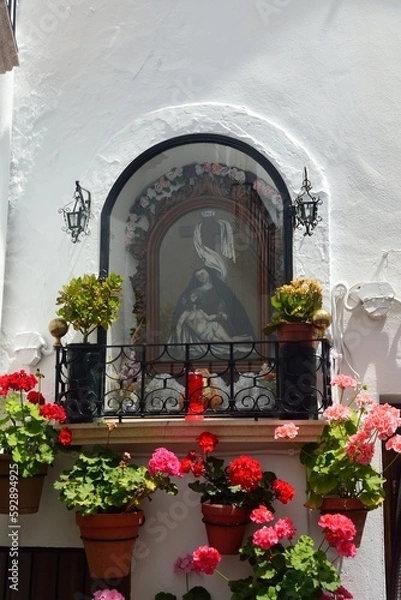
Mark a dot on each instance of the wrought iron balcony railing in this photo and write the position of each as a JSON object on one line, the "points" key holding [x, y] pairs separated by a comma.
{"points": [[251, 379]]}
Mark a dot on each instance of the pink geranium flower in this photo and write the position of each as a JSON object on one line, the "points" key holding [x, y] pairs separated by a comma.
{"points": [[337, 526], [265, 538], [359, 450], [344, 548], [344, 382], [262, 515], [205, 559], [383, 419], [365, 401], [339, 594], [165, 462], [338, 412], [286, 431], [285, 528], [108, 595], [394, 443], [184, 563]]}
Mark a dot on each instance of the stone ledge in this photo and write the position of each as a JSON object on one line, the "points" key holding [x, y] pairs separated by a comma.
{"points": [[242, 432]]}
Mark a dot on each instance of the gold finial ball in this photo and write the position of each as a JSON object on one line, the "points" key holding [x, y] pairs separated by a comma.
{"points": [[58, 328], [321, 319]]}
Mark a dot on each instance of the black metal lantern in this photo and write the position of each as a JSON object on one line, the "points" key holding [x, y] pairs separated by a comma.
{"points": [[77, 213], [305, 211]]}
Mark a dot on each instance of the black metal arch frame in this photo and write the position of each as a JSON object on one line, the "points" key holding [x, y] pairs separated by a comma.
{"points": [[196, 138]]}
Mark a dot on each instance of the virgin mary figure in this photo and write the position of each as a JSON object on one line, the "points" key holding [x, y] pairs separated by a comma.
{"points": [[209, 311]]}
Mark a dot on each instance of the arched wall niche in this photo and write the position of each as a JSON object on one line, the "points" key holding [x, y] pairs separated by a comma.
{"points": [[193, 201]]}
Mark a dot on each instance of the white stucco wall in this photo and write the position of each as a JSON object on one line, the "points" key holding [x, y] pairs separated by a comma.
{"points": [[6, 103], [308, 83]]}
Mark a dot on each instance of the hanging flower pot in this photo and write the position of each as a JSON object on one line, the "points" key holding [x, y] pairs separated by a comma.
{"points": [[225, 526], [352, 508], [109, 541], [27, 489]]}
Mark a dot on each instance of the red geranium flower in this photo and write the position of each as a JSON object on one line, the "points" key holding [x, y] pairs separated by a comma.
{"points": [[36, 398], [207, 441], [65, 436], [283, 490], [53, 412], [198, 468], [246, 472], [21, 381], [186, 464]]}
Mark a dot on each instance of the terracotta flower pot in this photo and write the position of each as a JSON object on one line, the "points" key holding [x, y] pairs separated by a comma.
{"points": [[225, 526], [297, 332], [352, 508], [109, 541], [29, 488]]}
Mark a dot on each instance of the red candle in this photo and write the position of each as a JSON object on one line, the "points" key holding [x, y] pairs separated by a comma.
{"points": [[195, 397]]}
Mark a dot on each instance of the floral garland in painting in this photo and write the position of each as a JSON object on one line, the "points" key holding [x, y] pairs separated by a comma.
{"points": [[173, 180]]}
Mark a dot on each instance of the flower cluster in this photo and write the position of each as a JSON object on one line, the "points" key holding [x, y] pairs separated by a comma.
{"points": [[295, 302], [28, 425], [108, 595], [241, 483], [20, 381], [204, 560], [166, 462], [340, 462], [281, 568], [245, 472], [102, 480]]}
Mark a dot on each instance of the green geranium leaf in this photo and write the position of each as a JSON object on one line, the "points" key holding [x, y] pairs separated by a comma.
{"points": [[197, 593]]}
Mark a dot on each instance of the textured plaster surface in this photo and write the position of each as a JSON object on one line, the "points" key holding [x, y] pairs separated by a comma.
{"points": [[307, 83]]}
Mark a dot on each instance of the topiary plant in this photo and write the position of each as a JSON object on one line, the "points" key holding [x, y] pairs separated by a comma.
{"points": [[88, 302]]}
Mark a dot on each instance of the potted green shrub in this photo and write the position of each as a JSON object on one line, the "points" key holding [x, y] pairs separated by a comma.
{"points": [[295, 302], [87, 303], [107, 491], [297, 315]]}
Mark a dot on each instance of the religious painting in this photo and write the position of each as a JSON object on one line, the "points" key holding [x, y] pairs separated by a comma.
{"points": [[205, 258], [210, 295]]}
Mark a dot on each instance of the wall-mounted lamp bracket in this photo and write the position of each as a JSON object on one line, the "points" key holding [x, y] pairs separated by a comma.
{"points": [[305, 207], [77, 213]]}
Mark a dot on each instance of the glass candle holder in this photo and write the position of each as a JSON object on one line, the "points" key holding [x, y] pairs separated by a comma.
{"points": [[195, 406]]}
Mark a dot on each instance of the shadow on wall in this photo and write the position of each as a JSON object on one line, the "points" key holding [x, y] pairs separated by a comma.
{"points": [[374, 343]]}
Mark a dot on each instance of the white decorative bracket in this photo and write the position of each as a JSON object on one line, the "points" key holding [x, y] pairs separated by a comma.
{"points": [[29, 348]]}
